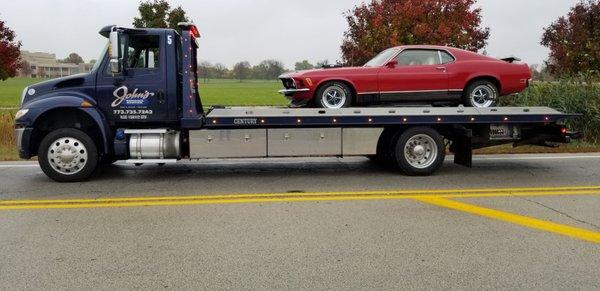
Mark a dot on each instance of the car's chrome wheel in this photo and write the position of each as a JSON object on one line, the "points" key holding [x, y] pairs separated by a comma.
{"points": [[421, 151], [67, 155], [483, 96], [334, 97]]}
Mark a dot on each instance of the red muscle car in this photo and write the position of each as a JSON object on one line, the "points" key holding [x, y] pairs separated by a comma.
{"points": [[411, 74]]}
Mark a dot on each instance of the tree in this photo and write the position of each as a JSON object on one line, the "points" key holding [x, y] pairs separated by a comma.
{"points": [[378, 25], [242, 71], [574, 40], [10, 53], [205, 70], [176, 16], [304, 65], [323, 63], [73, 58], [220, 71], [158, 14]]}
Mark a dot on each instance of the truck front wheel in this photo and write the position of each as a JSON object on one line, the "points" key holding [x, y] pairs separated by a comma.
{"points": [[68, 155], [419, 151]]}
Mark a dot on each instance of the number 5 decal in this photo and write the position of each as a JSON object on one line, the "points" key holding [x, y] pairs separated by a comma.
{"points": [[169, 39]]}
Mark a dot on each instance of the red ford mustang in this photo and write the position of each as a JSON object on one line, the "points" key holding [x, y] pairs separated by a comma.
{"points": [[411, 74]]}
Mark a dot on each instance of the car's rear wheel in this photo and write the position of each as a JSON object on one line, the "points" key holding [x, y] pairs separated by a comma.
{"points": [[419, 151], [334, 95], [481, 94]]}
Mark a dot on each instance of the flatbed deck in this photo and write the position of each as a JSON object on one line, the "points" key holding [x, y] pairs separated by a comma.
{"points": [[257, 117]]}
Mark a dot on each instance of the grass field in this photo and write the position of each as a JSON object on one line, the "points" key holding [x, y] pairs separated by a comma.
{"points": [[214, 92]]}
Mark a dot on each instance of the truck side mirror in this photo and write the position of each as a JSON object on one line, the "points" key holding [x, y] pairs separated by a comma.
{"points": [[115, 53]]}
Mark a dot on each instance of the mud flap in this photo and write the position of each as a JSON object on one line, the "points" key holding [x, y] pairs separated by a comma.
{"points": [[462, 147]]}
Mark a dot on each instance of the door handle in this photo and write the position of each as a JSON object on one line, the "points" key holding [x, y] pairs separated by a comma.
{"points": [[160, 96], [441, 69]]}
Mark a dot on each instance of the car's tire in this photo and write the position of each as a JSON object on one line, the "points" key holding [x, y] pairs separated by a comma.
{"points": [[419, 151], [481, 94], [333, 95], [68, 155]]}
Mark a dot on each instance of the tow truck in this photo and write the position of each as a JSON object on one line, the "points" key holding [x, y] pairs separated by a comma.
{"points": [[141, 103]]}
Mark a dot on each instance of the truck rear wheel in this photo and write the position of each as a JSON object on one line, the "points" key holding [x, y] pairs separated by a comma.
{"points": [[419, 151], [68, 155]]}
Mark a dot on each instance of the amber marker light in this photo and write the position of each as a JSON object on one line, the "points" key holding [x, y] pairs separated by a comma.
{"points": [[86, 104], [309, 82]]}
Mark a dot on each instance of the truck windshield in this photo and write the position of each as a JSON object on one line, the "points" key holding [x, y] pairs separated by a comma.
{"points": [[99, 60], [382, 58]]}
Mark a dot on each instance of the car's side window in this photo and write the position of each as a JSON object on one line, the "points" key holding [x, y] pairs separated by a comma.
{"points": [[446, 57], [418, 58]]}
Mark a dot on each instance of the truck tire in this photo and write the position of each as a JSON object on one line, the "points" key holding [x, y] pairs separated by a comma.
{"points": [[68, 155], [481, 94], [419, 151], [333, 95]]}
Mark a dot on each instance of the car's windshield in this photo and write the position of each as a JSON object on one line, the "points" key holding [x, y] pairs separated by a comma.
{"points": [[381, 58], [99, 60]]}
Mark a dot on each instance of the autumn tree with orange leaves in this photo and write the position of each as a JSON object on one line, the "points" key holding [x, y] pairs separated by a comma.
{"points": [[574, 41], [381, 24], [9, 53]]}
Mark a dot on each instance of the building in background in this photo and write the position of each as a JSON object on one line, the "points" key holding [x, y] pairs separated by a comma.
{"points": [[45, 65]]}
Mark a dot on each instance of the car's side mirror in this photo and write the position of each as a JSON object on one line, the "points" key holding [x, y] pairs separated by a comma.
{"points": [[114, 52], [391, 64]]}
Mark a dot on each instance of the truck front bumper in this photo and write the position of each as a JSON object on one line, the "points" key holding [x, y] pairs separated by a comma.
{"points": [[23, 137]]}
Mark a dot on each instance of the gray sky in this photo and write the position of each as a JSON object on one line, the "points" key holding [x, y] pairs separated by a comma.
{"points": [[253, 30]]}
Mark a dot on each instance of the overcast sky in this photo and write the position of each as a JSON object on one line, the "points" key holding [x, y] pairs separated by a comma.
{"points": [[254, 30]]}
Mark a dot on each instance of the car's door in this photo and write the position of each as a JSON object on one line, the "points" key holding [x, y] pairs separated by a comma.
{"points": [[138, 94], [418, 74]]}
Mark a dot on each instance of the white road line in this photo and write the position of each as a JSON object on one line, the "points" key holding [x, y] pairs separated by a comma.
{"points": [[313, 161], [537, 158]]}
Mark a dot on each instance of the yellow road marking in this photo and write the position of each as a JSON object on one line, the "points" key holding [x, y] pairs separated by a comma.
{"points": [[292, 197], [534, 223]]}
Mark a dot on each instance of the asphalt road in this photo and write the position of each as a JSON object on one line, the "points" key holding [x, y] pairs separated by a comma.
{"points": [[183, 226]]}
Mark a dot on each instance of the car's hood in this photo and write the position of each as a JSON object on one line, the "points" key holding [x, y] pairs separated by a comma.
{"points": [[36, 91], [323, 71]]}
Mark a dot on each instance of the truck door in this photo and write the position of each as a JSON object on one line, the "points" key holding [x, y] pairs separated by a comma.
{"points": [[138, 94]]}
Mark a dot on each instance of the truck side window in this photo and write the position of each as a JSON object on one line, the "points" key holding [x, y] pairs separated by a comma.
{"points": [[143, 52]]}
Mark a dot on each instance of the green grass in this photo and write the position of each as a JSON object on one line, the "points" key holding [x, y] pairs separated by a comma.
{"points": [[11, 90], [213, 92]]}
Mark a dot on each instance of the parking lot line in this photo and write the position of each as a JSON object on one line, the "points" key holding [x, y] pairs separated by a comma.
{"points": [[530, 222], [292, 197]]}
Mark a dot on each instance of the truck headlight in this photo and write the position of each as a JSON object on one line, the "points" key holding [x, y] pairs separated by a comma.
{"points": [[21, 113]]}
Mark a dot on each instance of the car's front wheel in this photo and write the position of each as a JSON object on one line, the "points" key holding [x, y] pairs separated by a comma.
{"points": [[481, 94], [333, 95]]}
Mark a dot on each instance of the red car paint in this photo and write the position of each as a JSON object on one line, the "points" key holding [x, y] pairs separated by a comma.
{"points": [[415, 83]]}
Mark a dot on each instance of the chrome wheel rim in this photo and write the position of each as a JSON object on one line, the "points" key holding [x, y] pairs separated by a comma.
{"points": [[483, 96], [334, 97], [420, 151], [67, 156]]}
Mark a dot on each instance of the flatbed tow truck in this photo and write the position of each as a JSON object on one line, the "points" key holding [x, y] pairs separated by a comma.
{"points": [[141, 104]]}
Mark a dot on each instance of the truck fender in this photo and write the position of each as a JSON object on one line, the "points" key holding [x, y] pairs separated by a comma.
{"points": [[81, 103]]}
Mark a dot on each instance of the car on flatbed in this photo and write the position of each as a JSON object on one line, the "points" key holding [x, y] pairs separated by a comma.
{"points": [[411, 74]]}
